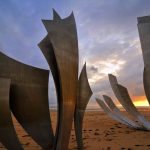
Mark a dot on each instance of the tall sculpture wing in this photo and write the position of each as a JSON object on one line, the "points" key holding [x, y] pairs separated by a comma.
{"points": [[144, 33], [146, 82], [84, 94], [29, 99], [48, 52], [7, 132], [63, 37]]}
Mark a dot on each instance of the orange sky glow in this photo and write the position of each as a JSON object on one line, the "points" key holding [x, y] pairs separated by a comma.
{"points": [[137, 100]]}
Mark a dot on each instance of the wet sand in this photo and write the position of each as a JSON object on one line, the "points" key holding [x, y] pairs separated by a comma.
{"points": [[99, 133]]}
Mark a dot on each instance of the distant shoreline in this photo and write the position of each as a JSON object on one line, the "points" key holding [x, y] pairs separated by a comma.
{"points": [[144, 108]]}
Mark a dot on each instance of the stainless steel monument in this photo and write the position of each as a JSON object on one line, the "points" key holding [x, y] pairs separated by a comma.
{"points": [[122, 93], [62, 58], [28, 100], [84, 94], [24, 90]]}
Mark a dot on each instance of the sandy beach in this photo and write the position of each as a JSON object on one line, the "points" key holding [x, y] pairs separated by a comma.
{"points": [[99, 133]]}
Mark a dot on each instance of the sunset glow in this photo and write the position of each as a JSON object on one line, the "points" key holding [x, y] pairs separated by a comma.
{"points": [[139, 101], [108, 41]]}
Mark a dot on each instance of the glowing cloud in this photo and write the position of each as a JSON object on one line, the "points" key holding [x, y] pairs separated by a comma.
{"points": [[111, 65]]}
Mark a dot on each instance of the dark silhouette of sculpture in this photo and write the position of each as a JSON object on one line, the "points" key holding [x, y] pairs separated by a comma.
{"points": [[26, 90], [6, 124], [144, 34], [28, 98], [146, 82], [84, 94], [47, 49]]}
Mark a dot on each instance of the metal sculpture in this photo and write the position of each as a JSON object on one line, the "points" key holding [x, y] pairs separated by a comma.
{"points": [[118, 113], [29, 99], [29, 90], [146, 82], [63, 48], [144, 34], [109, 112], [6, 124], [124, 98], [84, 94], [47, 49], [122, 92], [122, 95]]}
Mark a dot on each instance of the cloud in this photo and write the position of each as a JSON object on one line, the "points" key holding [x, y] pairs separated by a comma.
{"points": [[111, 30], [99, 69], [107, 33], [93, 69]]}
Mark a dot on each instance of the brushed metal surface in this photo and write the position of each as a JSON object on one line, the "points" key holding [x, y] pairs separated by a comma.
{"points": [[129, 106], [62, 35], [124, 98], [29, 98], [7, 132], [84, 94], [144, 34], [108, 111], [118, 113], [146, 82], [48, 52]]}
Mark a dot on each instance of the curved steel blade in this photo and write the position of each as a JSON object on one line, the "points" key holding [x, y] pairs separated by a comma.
{"points": [[7, 132]]}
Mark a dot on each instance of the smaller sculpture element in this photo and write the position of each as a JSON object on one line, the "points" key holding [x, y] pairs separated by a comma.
{"points": [[84, 94]]}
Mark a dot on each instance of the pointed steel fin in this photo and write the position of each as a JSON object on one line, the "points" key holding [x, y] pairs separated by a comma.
{"points": [[56, 15], [84, 94]]}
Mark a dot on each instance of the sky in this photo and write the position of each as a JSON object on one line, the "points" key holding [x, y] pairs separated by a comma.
{"points": [[107, 36]]}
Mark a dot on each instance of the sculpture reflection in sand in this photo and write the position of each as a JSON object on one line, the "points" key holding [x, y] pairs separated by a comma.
{"points": [[24, 90], [122, 93]]}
